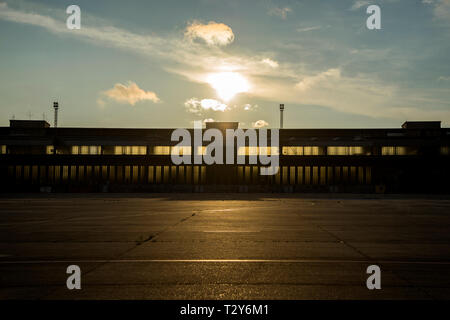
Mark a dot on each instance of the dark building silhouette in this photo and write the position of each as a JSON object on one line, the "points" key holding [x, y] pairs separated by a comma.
{"points": [[35, 157]]}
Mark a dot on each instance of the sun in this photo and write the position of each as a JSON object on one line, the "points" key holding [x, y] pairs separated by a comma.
{"points": [[228, 84]]}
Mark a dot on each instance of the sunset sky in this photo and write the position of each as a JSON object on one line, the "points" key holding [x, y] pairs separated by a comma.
{"points": [[167, 63]]}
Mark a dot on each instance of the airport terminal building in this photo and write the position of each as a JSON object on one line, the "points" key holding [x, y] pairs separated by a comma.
{"points": [[35, 157]]}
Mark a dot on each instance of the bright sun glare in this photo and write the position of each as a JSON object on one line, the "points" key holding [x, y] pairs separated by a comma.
{"points": [[228, 84]]}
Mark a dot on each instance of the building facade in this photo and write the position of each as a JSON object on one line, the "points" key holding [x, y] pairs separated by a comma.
{"points": [[35, 157]]}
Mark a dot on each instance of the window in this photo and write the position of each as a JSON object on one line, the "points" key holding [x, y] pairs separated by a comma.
{"points": [[2, 149], [445, 150], [292, 151], [347, 151], [388, 151], [248, 151], [181, 150], [161, 150], [301, 151], [337, 151], [398, 151], [130, 150], [49, 150], [95, 150], [201, 150], [85, 150]]}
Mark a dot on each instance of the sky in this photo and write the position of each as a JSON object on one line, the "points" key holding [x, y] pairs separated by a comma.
{"points": [[166, 64]]}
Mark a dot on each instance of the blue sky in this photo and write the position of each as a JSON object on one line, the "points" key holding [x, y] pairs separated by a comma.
{"points": [[168, 63]]}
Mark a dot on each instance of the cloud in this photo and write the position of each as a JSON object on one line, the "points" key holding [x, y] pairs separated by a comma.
{"points": [[260, 124], [309, 29], [427, 1], [213, 33], [208, 120], [442, 10], [308, 82], [271, 63], [195, 105], [130, 94], [358, 4], [249, 107], [443, 78], [100, 35], [280, 12], [297, 82]]}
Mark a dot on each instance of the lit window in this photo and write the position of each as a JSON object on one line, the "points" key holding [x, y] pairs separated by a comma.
{"points": [[177, 150], [311, 151], [354, 151], [292, 151], [161, 150], [269, 151], [388, 151], [134, 150], [301, 151], [445, 150], [49, 150], [201, 150], [142, 150], [84, 150], [118, 150], [254, 151], [3, 149], [337, 151], [399, 151]]}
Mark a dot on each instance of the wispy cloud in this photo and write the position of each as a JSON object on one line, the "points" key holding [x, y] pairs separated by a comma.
{"points": [[130, 94], [442, 10], [270, 62], [358, 4], [280, 12], [309, 29], [308, 82], [212, 33]]}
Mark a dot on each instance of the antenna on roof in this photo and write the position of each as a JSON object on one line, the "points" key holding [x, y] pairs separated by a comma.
{"points": [[56, 107], [281, 115]]}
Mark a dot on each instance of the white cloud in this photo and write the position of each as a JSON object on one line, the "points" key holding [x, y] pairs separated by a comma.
{"points": [[213, 33], [271, 63], [443, 78], [249, 107], [195, 105], [130, 94], [208, 120], [358, 4], [427, 1], [280, 12], [309, 29], [260, 124]]}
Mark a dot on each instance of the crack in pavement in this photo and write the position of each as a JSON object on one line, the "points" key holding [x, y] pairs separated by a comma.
{"points": [[138, 243]]}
